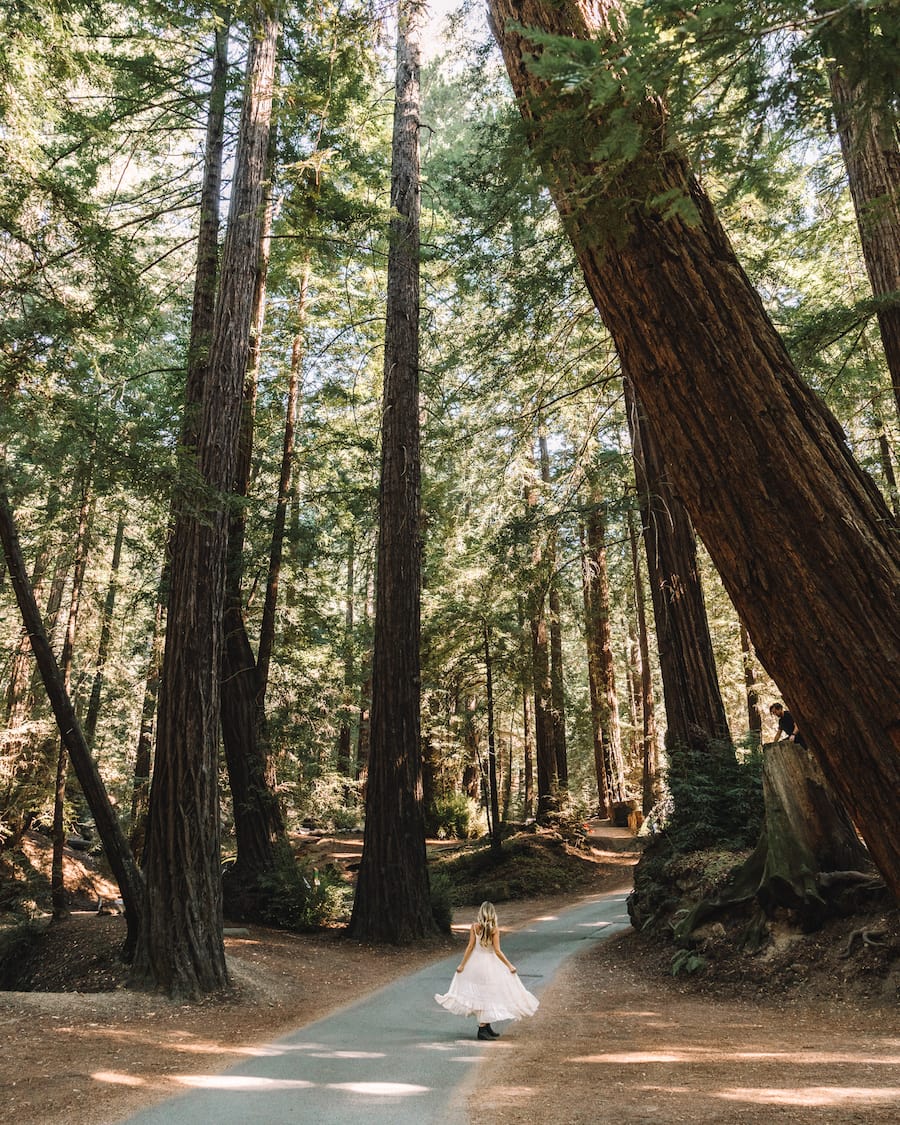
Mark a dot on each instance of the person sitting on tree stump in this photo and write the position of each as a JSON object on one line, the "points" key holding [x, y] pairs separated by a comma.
{"points": [[786, 725]]}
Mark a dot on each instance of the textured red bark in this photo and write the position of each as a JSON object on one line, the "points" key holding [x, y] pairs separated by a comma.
{"points": [[805, 545], [392, 901], [180, 949]]}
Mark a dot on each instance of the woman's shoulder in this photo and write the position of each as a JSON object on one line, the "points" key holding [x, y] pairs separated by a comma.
{"points": [[477, 928]]}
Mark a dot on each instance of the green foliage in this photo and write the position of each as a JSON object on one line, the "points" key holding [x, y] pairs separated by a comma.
{"points": [[328, 801], [717, 799], [687, 961], [442, 900], [453, 816], [296, 896]]}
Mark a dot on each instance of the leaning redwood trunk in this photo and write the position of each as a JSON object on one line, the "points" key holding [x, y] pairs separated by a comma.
{"points": [[805, 545], [82, 539], [113, 839]]}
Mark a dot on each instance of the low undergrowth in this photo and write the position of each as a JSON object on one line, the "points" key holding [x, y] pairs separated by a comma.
{"points": [[529, 865]]}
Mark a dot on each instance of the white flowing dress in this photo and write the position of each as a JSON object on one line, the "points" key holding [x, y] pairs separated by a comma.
{"points": [[487, 989]]}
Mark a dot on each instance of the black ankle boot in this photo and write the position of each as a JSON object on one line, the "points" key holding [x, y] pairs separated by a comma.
{"points": [[486, 1032]]}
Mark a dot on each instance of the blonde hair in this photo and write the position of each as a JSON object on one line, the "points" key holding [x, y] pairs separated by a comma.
{"points": [[487, 920]]}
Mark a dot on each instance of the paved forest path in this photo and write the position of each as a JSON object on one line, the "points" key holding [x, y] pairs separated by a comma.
{"points": [[394, 1057]]}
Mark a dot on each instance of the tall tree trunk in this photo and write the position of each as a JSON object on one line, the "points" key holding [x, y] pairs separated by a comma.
{"points": [[528, 753], [344, 732], [547, 778], [392, 900], [204, 302], [276, 552], [180, 949], [18, 764], [109, 605], [258, 820], [114, 843], [496, 829], [557, 685], [695, 711], [365, 690], [82, 538], [528, 748], [872, 158], [651, 782], [803, 541], [140, 791], [754, 714], [613, 763], [202, 316], [887, 467], [595, 681]]}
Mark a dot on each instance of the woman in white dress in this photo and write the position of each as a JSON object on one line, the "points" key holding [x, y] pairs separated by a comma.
{"points": [[485, 984]]}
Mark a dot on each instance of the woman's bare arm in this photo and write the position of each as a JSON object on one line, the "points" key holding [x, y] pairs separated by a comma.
{"points": [[499, 952]]}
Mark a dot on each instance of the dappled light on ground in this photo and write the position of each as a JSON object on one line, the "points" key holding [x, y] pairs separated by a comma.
{"points": [[382, 1089], [729, 1058], [237, 1082], [251, 1083], [659, 1054], [117, 1079], [817, 1096]]}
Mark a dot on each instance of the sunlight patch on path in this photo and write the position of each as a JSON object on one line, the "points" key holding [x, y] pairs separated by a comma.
{"points": [[241, 1082]]}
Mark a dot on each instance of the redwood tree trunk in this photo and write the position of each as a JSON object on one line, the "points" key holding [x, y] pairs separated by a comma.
{"points": [[392, 900], [754, 715], [82, 537], [557, 685], [651, 781], [204, 302], [808, 851], [803, 541], [180, 948], [276, 551], [140, 792], [872, 158], [695, 712], [605, 670], [496, 834], [258, 820], [546, 774], [93, 711], [114, 843], [595, 681]]}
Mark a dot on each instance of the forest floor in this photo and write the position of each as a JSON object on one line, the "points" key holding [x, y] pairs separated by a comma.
{"points": [[800, 1033]]}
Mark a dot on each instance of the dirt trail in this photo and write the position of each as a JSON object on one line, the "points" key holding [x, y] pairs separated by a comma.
{"points": [[645, 1049], [614, 1031]]}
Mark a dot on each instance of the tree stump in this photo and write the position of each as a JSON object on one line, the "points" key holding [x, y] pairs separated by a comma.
{"points": [[807, 843]]}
